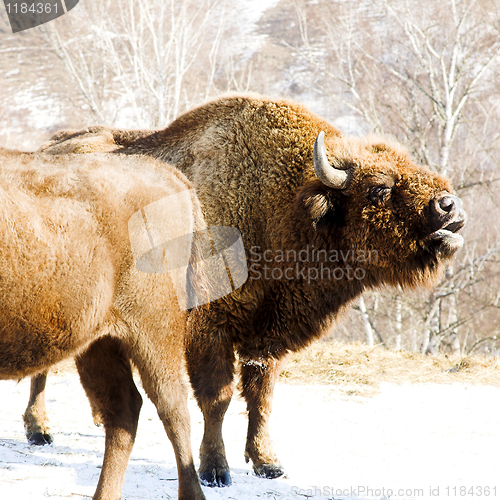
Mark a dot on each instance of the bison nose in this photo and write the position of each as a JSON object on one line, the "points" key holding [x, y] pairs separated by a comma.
{"points": [[447, 211], [448, 204]]}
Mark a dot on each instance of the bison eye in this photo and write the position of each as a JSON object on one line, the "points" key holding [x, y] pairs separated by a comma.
{"points": [[379, 194]]}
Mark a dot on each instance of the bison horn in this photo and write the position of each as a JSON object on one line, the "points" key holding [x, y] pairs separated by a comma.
{"points": [[328, 175]]}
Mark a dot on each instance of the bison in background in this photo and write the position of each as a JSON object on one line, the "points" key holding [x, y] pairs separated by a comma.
{"points": [[328, 221], [69, 287]]}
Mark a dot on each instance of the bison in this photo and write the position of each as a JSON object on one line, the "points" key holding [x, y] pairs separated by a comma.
{"points": [[324, 217], [69, 287]]}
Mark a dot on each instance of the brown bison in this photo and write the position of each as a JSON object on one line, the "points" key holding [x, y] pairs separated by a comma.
{"points": [[320, 225], [69, 287]]}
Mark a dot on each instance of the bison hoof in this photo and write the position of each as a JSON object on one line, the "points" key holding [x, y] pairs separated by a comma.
{"points": [[39, 439], [213, 479], [269, 471]]}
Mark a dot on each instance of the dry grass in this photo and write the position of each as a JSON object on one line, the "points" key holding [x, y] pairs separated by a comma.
{"points": [[359, 369], [63, 368]]}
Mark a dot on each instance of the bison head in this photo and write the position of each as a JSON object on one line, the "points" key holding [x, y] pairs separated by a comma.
{"points": [[370, 198]]}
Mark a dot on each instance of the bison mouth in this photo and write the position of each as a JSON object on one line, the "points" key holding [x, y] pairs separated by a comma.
{"points": [[448, 214]]}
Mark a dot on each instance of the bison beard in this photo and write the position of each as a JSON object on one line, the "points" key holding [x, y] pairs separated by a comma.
{"points": [[254, 167]]}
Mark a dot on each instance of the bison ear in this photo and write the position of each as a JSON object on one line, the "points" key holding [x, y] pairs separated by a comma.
{"points": [[315, 199]]}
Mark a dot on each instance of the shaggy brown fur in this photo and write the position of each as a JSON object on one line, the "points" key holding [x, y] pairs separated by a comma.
{"points": [[69, 287], [251, 162]]}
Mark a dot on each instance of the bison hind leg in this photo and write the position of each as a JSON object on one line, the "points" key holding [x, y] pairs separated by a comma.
{"points": [[35, 418], [163, 383], [269, 471], [106, 375]]}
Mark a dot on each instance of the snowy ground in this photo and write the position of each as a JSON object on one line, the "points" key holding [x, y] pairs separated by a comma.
{"points": [[420, 441]]}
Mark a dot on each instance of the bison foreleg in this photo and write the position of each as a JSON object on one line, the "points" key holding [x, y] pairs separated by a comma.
{"points": [[214, 469], [106, 376], [258, 378], [36, 422], [211, 370]]}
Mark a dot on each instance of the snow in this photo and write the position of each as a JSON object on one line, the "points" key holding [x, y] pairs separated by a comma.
{"points": [[43, 111], [244, 16], [420, 441]]}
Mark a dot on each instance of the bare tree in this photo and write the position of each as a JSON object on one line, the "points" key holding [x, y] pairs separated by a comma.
{"points": [[366, 322], [142, 62]]}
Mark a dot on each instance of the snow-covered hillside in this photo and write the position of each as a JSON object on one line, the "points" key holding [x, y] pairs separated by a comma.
{"points": [[409, 441]]}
